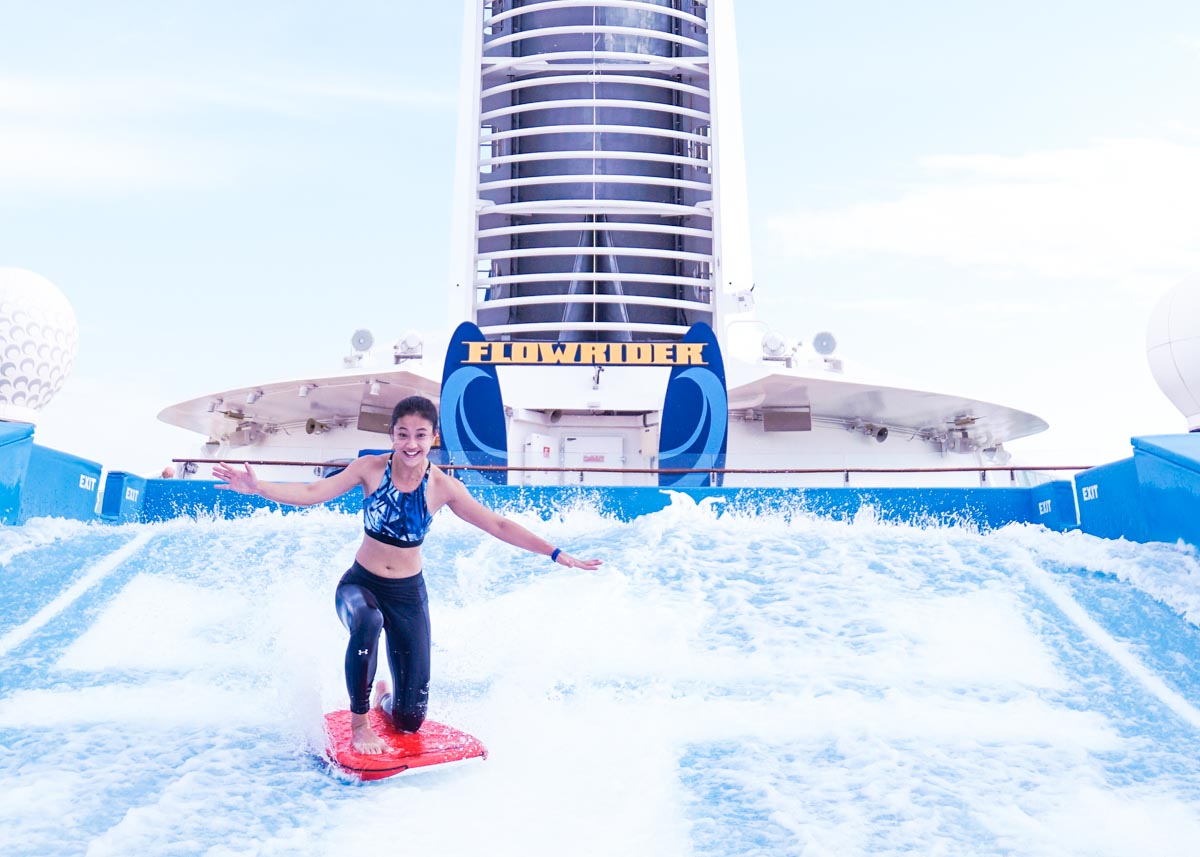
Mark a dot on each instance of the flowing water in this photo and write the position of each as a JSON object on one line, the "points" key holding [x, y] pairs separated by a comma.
{"points": [[726, 684]]}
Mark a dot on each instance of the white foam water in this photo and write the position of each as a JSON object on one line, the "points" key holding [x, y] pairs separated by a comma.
{"points": [[727, 683]]}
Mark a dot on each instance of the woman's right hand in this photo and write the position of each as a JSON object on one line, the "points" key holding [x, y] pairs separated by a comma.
{"points": [[241, 481]]}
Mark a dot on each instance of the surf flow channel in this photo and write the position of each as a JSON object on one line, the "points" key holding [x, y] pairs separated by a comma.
{"points": [[728, 683]]}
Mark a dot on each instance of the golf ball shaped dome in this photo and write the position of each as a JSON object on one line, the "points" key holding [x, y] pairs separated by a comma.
{"points": [[39, 338]]}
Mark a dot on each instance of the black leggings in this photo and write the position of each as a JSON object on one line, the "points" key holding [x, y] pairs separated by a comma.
{"points": [[367, 604]]}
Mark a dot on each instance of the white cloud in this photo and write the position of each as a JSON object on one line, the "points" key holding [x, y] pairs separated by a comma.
{"points": [[394, 93], [922, 307], [121, 131], [88, 135], [58, 158], [287, 94], [1119, 209]]}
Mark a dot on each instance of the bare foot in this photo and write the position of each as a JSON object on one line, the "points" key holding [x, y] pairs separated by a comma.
{"points": [[383, 698], [363, 738]]}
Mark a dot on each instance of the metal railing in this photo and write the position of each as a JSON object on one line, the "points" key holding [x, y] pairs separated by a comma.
{"points": [[1012, 470]]}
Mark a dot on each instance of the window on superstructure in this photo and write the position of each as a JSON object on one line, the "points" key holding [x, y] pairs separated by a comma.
{"points": [[486, 148], [700, 150]]}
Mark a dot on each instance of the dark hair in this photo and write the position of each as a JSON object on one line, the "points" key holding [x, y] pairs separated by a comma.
{"points": [[418, 405]]}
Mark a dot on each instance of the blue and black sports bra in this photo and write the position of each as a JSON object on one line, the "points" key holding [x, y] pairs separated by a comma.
{"points": [[394, 517]]}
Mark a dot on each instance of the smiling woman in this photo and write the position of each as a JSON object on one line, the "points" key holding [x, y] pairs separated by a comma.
{"points": [[384, 590]]}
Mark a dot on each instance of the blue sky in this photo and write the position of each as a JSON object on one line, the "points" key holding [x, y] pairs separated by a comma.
{"points": [[984, 198]]}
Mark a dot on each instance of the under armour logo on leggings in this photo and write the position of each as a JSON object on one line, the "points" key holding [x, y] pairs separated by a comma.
{"points": [[363, 651]]}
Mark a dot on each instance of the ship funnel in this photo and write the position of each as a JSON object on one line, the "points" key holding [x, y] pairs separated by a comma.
{"points": [[590, 166]]}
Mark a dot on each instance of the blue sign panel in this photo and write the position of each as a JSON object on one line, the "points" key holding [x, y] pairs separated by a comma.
{"points": [[123, 496], [59, 485], [695, 416], [472, 411], [16, 446]]}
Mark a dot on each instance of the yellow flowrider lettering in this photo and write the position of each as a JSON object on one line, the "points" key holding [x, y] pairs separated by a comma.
{"points": [[479, 352], [639, 352], [525, 352], [558, 352], [593, 352], [588, 353], [690, 354]]}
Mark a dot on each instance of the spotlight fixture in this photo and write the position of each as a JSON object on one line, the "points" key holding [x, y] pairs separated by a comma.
{"points": [[409, 347], [774, 346]]}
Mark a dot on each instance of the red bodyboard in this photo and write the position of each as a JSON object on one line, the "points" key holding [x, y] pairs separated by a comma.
{"points": [[433, 744]]}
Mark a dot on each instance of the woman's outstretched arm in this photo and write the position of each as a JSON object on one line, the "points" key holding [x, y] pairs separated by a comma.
{"points": [[245, 481], [472, 511]]}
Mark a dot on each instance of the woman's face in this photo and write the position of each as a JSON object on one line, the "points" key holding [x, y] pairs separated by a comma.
{"points": [[412, 438]]}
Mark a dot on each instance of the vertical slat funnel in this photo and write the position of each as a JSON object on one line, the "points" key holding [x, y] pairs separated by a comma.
{"points": [[589, 158]]}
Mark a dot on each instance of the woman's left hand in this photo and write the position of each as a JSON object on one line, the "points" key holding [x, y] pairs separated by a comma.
{"points": [[569, 561], [242, 481]]}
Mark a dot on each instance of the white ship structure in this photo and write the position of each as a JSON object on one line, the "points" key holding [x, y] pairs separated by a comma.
{"points": [[602, 325]]}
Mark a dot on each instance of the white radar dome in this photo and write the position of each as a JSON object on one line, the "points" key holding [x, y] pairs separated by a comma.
{"points": [[39, 339], [1173, 348]]}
